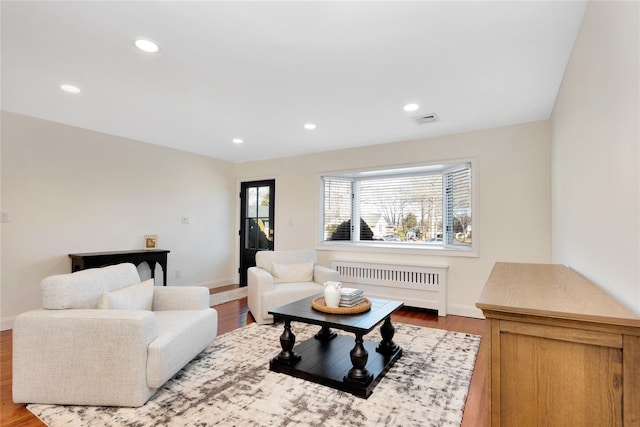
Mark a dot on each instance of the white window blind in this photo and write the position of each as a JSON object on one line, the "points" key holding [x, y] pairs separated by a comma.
{"points": [[337, 209], [458, 205]]}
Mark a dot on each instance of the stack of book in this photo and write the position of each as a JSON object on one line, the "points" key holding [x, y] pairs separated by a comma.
{"points": [[350, 297]]}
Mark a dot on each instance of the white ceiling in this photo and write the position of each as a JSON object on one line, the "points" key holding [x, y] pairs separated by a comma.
{"points": [[261, 70]]}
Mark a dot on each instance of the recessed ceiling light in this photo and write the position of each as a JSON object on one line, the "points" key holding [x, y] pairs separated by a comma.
{"points": [[70, 88], [147, 46], [411, 107], [309, 126], [237, 141]]}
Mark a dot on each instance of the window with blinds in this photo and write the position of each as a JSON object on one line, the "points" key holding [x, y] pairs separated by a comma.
{"points": [[429, 206]]}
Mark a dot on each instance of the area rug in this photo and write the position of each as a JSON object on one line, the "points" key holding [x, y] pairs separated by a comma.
{"points": [[229, 384], [226, 296]]}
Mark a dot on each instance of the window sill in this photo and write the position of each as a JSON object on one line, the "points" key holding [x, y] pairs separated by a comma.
{"points": [[396, 249]]}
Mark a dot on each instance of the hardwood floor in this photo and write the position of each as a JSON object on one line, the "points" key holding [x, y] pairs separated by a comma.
{"points": [[235, 314]]}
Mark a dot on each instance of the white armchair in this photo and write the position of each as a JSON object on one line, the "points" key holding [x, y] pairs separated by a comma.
{"points": [[72, 352], [282, 277]]}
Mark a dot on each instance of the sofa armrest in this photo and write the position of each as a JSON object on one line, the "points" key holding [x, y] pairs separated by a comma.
{"points": [[259, 280], [56, 360], [323, 274], [180, 298]]}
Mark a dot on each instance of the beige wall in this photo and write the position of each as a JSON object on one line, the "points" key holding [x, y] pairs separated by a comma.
{"points": [[565, 191], [513, 182], [71, 190], [595, 139]]}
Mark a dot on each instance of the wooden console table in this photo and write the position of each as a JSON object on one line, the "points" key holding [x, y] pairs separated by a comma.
{"points": [[137, 257], [562, 350]]}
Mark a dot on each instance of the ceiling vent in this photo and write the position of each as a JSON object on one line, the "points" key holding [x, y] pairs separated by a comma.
{"points": [[425, 118]]}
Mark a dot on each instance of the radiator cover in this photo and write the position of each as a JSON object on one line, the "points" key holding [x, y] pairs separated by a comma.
{"points": [[422, 286]]}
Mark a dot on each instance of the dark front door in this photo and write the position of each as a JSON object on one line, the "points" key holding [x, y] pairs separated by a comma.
{"points": [[256, 222]]}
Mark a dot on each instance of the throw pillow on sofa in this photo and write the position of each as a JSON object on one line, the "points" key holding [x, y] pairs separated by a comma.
{"points": [[135, 297], [288, 273]]}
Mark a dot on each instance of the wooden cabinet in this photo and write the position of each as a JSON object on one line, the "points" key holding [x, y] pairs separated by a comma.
{"points": [[563, 352]]}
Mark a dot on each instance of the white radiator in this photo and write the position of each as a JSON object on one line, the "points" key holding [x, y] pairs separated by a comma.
{"points": [[414, 285]]}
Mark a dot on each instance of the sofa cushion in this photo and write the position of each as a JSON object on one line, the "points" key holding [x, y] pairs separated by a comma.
{"points": [[182, 334], [288, 273], [265, 259], [84, 288], [135, 297]]}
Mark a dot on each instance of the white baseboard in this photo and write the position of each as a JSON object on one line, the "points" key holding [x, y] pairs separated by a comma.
{"points": [[6, 323], [465, 311], [219, 283], [211, 284]]}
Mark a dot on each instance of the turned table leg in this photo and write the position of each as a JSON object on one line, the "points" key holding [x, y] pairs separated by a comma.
{"points": [[387, 346], [359, 356], [325, 334], [287, 340]]}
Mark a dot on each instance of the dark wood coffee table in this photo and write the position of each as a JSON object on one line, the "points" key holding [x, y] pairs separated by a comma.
{"points": [[325, 358]]}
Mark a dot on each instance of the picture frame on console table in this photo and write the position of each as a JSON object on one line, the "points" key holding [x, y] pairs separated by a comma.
{"points": [[150, 241]]}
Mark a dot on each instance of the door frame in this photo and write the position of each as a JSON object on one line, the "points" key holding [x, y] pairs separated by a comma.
{"points": [[238, 243]]}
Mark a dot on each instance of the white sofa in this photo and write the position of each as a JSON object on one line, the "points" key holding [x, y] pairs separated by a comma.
{"points": [[72, 352], [282, 277]]}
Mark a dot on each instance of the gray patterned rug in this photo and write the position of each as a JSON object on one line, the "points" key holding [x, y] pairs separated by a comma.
{"points": [[229, 384]]}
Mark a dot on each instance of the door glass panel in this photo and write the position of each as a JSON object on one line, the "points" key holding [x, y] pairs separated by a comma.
{"points": [[255, 236], [252, 202], [263, 201]]}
